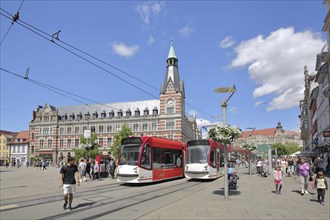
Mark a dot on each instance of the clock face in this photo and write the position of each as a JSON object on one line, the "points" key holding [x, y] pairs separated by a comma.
{"points": [[170, 102]]}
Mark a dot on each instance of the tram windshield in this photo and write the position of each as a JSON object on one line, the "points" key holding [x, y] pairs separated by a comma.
{"points": [[129, 154], [197, 153]]}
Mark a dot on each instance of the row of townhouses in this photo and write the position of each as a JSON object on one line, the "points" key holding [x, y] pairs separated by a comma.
{"points": [[315, 107]]}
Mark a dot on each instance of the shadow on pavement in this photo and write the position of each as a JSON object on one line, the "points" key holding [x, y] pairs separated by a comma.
{"points": [[230, 192], [83, 205]]}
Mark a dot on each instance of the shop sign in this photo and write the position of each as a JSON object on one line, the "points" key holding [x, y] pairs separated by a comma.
{"points": [[326, 133]]}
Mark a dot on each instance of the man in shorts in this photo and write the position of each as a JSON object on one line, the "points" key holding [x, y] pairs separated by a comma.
{"points": [[69, 176]]}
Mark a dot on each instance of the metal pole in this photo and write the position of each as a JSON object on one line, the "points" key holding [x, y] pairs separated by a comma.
{"points": [[224, 107]]}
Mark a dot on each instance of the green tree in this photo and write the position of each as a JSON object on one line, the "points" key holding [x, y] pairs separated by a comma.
{"points": [[293, 147], [281, 149], [124, 132], [90, 147]]}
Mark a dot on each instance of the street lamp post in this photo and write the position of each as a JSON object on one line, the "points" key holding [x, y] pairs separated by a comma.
{"points": [[230, 92]]}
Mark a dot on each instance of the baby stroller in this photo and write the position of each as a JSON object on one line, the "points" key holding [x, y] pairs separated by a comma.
{"points": [[232, 183]]}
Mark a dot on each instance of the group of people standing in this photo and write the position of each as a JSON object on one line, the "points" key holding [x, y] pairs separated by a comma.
{"points": [[304, 169]]}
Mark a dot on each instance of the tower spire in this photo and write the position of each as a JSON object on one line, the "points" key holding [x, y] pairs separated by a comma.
{"points": [[171, 53]]}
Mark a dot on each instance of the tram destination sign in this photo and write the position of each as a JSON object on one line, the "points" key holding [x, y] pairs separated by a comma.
{"points": [[131, 140], [198, 142]]}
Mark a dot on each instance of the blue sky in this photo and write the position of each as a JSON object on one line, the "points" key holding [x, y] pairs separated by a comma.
{"points": [[260, 46]]}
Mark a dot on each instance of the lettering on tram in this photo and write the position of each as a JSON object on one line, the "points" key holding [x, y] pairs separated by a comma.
{"points": [[149, 159], [203, 160]]}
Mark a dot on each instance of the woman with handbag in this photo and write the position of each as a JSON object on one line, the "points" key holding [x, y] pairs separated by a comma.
{"points": [[304, 171]]}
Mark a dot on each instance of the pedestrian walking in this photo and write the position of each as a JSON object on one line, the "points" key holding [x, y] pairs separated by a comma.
{"points": [[278, 179], [304, 171], [95, 171], [112, 167], [44, 165], [88, 170], [318, 164], [320, 184], [259, 167], [69, 176], [82, 169]]}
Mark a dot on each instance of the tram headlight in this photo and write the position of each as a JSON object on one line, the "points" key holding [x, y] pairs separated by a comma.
{"points": [[187, 168]]}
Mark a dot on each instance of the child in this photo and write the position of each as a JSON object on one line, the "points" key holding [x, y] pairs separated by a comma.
{"points": [[278, 179], [321, 185]]}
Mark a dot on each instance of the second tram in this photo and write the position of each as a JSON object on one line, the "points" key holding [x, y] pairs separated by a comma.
{"points": [[204, 160], [149, 159]]}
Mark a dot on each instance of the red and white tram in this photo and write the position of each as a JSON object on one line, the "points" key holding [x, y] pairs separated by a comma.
{"points": [[149, 159], [204, 159]]}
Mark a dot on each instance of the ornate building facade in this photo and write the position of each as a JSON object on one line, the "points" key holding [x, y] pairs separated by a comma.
{"points": [[56, 131]]}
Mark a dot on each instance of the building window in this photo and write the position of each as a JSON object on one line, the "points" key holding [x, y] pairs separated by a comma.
{"points": [[111, 114], [68, 130], [61, 130], [117, 127], [41, 144], [109, 128], [154, 126], [155, 111], [79, 116], [72, 116], [120, 113], [46, 118], [170, 137], [103, 114], [76, 142], [61, 143], [135, 127], [137, 112], [50, 142], [101, 141], [100, 129], [32, 136], [144, 126], [68, 145], [92, 129], [128, 113], [84, 128], [23, 149], [109, 140], [45, 131], [170, 125], [76, 130], [95, 115], [146, 112]]}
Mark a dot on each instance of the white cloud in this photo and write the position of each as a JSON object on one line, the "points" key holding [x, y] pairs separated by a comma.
{"points": [[233, 110], [124, 50], [258, 103], [227, 42], [276, 64], [151, 40], [148, 9], [186, 31]]}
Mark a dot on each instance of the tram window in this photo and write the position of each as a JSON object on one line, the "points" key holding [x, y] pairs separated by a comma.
{"points": [[157, 158], [146, 157], [212, 157]]}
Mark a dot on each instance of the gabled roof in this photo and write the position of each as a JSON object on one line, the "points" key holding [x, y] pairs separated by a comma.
{"points": [[21, 137], [8, 134], [263, 132]]}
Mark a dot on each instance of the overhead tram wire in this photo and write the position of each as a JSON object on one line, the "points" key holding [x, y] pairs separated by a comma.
{"points": [[24, 24], [14, 19], [59, 91]]}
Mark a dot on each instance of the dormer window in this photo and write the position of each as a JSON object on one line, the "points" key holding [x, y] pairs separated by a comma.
{"points": [[155, 111], [111, 114], [65, 116], [120, 113], [95, 115], [79, 116], [72, 116], [87, 115], [146, 112], [103, 114], [137, 112], [128, 113]]}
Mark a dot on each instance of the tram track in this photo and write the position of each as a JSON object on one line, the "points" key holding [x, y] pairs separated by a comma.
{"points": [[129, 201]]}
